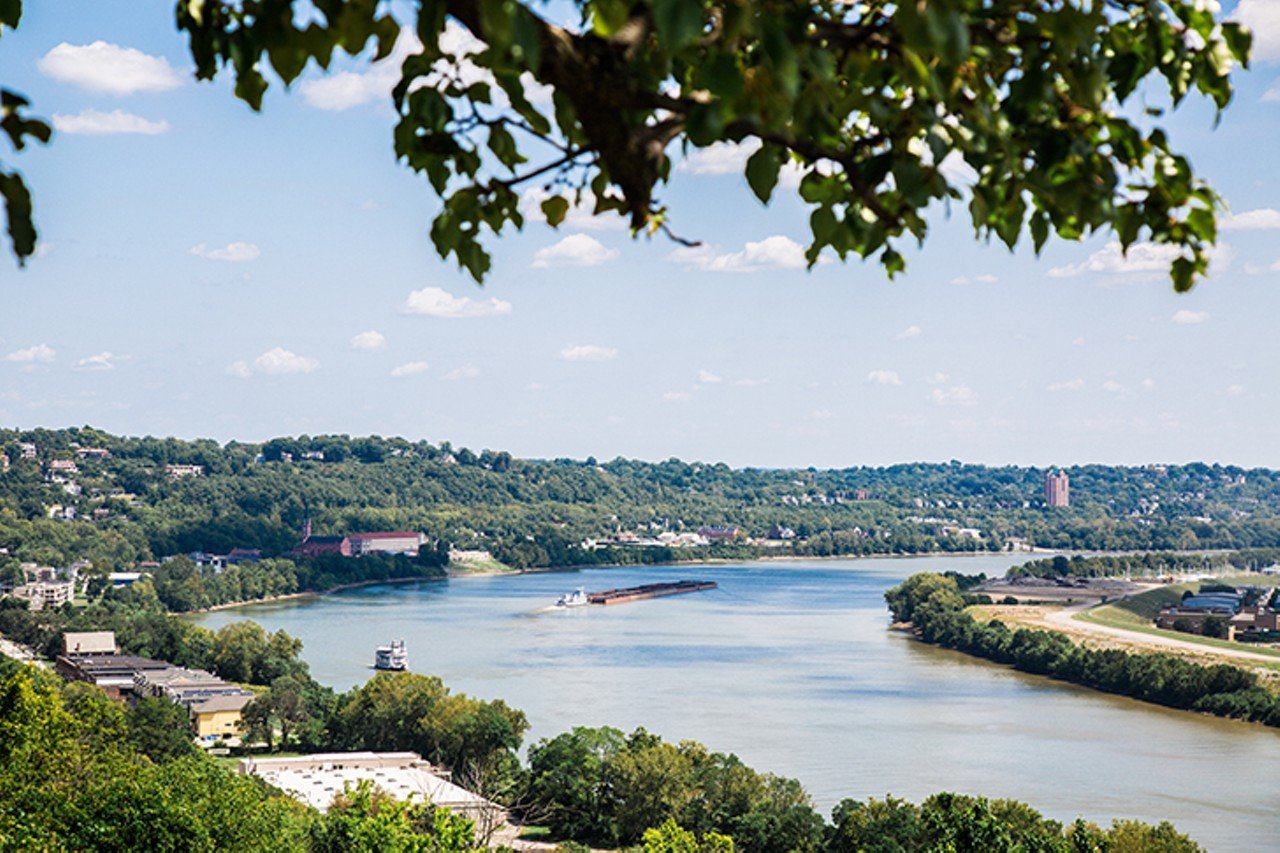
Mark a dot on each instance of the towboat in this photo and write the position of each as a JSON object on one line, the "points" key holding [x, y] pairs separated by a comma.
{"points": [[577, 598]]}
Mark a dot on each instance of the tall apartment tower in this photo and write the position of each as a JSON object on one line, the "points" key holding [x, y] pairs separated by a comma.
{"points": [[1057, 488]]}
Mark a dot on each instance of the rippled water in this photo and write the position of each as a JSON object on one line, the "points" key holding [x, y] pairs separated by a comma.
{"points": [[791, 666]]}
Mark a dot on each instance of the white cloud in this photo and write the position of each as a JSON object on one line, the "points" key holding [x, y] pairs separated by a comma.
{"points": [[576, 250], [719, 158], [109, 68], [708, 378], [1147, 258], [345, 90], [1069, 385], [938, 378], [101, 361], [1272, 95], [466, 371], [884, 377], [95, 123], [38, 354], [1263, 17], [579, 217], [274, 362], [975, 279], [776, 252], [823, 415], [412, 368], [588, 352], [1148, 384], [1078, 342], [676, 397], [1235, 390], [910, 332], [236, 253], [1184, 317], [435, 302], [1112, 386], [369, 340], [1262, 219], [956, 395]]}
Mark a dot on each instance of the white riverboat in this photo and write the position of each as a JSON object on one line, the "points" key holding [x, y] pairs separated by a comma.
{"points": [[393, 657]]}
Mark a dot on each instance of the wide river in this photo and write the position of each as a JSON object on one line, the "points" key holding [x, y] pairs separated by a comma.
{"points": [[791, 665]]}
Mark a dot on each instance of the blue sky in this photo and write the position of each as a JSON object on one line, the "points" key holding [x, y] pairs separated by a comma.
{"points": [[208, 271]]}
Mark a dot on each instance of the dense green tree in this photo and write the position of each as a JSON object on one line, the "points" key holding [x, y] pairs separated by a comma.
{"points": [[670, 837], [365, 818], [160, 729]]}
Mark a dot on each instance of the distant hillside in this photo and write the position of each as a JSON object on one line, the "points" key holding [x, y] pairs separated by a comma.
{"points": [[82, 493]]}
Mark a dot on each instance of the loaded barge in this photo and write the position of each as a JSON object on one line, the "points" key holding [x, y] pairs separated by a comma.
{"points": [[649, 590]]}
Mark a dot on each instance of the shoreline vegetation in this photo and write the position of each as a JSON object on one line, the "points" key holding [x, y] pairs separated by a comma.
{"points": [[937, 611]]}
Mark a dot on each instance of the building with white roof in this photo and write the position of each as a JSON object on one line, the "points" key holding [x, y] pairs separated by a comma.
{"points": [[316, 780]]}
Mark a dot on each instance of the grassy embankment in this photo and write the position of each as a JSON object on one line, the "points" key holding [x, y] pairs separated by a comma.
{"points": [[1138, 613]]}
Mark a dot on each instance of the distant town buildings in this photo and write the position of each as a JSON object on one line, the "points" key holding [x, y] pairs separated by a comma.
{"points": [[175, 472], [730, 533], [45, 588], [1057, 488], [394, 542]]}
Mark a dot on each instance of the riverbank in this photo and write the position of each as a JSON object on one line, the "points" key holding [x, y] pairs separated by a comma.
{"points": [[291, 596]]}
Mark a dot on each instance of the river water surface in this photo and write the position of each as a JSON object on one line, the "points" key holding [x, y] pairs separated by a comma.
{"points": [[791, 665]]}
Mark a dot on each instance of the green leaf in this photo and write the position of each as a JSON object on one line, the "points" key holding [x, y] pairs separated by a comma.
{"points": [[762, 171], [679, 23], [554, 209]]}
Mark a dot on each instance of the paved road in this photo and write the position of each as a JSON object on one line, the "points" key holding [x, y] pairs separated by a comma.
{"points": [[1065, 618]]}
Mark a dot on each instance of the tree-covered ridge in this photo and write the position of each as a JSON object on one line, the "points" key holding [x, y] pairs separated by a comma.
{"points": [[129, 507]]}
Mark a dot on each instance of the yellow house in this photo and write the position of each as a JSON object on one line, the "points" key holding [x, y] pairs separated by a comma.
{"points": [[219, 716]]}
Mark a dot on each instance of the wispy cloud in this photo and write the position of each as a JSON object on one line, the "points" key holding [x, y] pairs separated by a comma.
{"points": [[579, 217], [1142, 258], [108, 68], [369, 340], [1069, 385], [575, 250], [466, 371], [676, 397], [274, 362], [706, 377], [910, 332], [1262, 219], [412, 368], [884, 377], [974, 279], [38, 354], [236, 253], [776, 252], [95, 123], [101, 361], [1185, 317], [588, 352], [1263, 18], [435, 302], [719, 158], [956, 395]]}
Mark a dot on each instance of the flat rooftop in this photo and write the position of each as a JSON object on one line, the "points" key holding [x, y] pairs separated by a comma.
{"points": [[316, 779]]}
